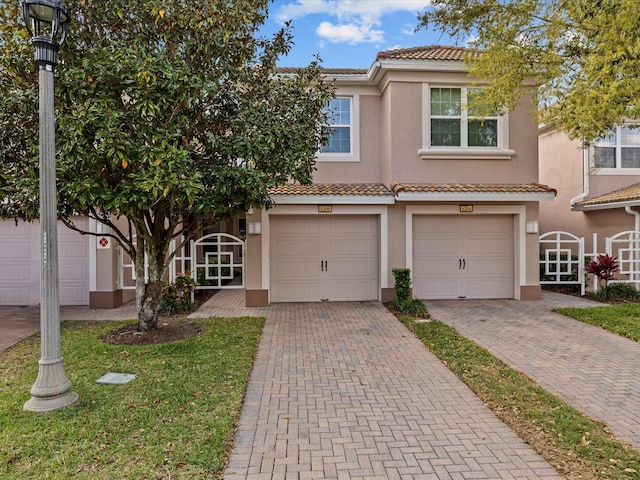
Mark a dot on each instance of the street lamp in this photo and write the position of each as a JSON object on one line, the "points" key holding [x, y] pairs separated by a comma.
{"points": [[47, 22]]}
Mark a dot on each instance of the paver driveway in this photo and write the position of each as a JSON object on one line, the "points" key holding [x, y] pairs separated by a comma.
{"points": [[592, 369], [344, 391]]}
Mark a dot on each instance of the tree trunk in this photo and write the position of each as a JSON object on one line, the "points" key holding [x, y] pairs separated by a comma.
{"points": [[149, 293]]}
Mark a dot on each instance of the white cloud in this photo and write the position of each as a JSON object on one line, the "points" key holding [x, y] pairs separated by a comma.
{"points": [[349, 33], [356, 21]]}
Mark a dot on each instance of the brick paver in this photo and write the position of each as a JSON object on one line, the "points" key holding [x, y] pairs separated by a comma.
{"points": [[345, 391], [592, 369]]}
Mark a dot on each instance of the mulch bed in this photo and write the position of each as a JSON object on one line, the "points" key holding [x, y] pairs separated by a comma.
{"points": [[166, 332]]}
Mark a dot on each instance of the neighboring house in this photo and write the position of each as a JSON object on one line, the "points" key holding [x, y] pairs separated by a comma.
{"points": [[409, 179], [598, 186]]}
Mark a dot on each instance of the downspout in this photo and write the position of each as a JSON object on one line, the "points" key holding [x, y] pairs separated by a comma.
{"points": [[585, 176], [630, 211]]}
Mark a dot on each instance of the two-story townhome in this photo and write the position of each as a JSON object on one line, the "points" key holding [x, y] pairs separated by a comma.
{"points": [[598, 185], [410, 178]]}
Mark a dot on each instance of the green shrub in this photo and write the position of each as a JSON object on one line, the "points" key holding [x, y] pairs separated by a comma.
{"points": [[403, 302], [618, 291], [403, 283], [410, 306], [176, 296]]}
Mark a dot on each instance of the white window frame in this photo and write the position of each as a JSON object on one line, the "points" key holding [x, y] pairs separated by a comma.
{"points": [[354, 131], [618, 146], [500, 152]]}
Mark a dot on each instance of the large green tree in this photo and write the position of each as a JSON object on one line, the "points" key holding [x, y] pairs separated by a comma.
{"points": [[166, 111], [584, 54]]}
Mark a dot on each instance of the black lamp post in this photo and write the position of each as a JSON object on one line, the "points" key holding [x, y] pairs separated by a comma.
{"points": [[47, 22]]}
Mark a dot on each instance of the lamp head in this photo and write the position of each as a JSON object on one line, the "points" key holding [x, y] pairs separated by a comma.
{"points": [[47, 22]]}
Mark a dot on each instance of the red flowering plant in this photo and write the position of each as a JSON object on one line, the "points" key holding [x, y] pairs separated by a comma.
{"points": [[605, 268]]}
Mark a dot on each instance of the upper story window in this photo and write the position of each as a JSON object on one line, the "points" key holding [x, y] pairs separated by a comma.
{"points": [[452, 130], [620, 148], [343, 141], [454, 125], [339, 110]]}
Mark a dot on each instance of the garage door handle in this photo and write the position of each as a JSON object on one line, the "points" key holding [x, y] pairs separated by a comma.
{"points": [[464, 264], [326, 266], [459, 264], [322, 265]]}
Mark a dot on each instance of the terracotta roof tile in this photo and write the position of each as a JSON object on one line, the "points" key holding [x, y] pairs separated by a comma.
{"points": [[340, 189], [327, 71], [471, 188], [626, 194], [432, 52]]}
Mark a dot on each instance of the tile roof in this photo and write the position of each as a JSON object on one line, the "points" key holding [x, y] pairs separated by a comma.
{"points": [[327, 71], [471, 188], [626, 194], [336, 189], [432, 52]]}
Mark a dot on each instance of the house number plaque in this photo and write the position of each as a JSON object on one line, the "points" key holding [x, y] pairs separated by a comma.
{"points": [[466, 208], [325, 208]]}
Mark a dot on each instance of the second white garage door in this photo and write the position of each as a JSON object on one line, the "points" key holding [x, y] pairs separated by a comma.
{"points": [[318, 258], [463, 257]]}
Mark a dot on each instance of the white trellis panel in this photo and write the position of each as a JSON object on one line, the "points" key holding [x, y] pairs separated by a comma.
{"points": [[626, 246], [562, 259]]}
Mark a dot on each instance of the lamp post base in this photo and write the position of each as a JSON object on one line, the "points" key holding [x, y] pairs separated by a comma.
{"points": [[52, 389]]}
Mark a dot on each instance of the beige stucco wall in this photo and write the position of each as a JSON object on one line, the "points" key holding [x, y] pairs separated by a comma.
{"points": [[368, 167], [562, 167]]}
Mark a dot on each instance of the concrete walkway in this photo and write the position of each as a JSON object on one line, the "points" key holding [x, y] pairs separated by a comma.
{"points": [[345, 391], [590, 368]]}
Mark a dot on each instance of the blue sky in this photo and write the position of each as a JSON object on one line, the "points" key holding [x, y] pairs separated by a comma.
{"points": [[349, 33]]}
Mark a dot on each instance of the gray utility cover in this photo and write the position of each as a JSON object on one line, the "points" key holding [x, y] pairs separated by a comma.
{"points": [[116, 378]]}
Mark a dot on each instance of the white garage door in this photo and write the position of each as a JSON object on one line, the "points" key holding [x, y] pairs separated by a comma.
{"points": [[316, 258], [20, 264], [463, 257]]}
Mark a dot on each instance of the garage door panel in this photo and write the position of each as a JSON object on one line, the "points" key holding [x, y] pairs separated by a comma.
{"points": [[441, 288], [297, 225], [488, 245], [352, 291], [295, 269], [426, 267], [436, 245], [296, 291], [14, 295], [14, 272], [480, 288], [348, 225], [14, 250], [488, 267], [73, 295], [296, 247], [352, 246], [352, 268]]}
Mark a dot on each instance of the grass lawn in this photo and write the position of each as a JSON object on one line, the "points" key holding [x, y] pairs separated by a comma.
{"points": [[577, 447], [175, 420], [622, 318]]}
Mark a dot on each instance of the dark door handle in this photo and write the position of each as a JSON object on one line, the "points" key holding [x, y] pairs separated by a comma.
{"points": [[326, 266], [459, 264], [464, 264]]}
